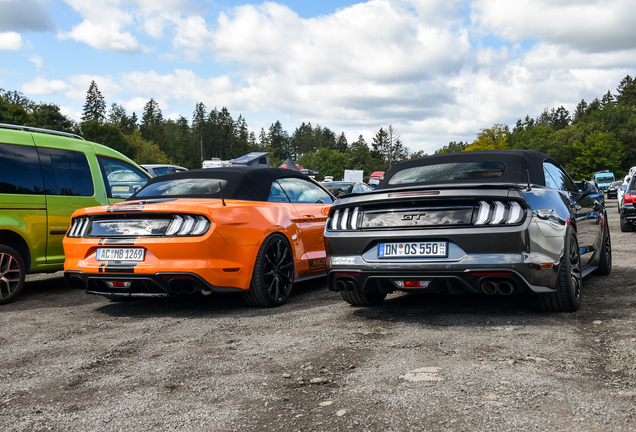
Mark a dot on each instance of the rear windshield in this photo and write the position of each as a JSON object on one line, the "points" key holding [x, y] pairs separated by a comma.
{"points": [[604, 179], [454, 171], [184, 187]]}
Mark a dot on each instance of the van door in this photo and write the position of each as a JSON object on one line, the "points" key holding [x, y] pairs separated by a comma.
{"points": [[69, 186]]}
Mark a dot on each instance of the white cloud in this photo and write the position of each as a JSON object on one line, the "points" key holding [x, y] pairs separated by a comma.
{"points": [[38, 62], [416, 64], [42, 86], [585, 25], [103, 26], [12, 41], [70, 112]]}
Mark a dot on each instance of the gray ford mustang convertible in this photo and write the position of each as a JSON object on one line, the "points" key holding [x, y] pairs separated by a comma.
{"points": [[491, 222]]}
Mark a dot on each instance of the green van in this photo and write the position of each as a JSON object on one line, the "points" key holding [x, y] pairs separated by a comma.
{"points": [[44, 177]]}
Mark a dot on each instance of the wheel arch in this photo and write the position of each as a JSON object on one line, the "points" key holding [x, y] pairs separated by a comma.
{"points": [[15, 241]]}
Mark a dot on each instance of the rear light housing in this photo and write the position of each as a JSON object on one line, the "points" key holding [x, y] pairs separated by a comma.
{"points": [[499, 213], [629, 198], [180, 225]]}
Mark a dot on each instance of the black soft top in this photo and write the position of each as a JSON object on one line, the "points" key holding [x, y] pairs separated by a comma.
{"points": [[243, 183], [516, 163]]}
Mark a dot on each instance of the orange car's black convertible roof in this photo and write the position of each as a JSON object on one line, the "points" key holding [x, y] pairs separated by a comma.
{"points": [[243, 183]]}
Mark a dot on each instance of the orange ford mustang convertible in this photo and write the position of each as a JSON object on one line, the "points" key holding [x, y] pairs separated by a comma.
{"points": [[249, 230]]}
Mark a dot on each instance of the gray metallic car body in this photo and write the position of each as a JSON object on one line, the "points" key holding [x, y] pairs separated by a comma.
{"points": [[526, 255]]}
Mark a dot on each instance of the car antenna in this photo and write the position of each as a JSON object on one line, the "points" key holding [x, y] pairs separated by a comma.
{"points": [[221, 192], [528, 189]]}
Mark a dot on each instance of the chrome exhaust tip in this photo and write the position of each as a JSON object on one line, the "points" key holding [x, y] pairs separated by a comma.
{"points": [[489, 288], [505, 288]]}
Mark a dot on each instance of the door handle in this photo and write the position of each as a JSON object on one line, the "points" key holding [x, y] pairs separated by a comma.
{"points": [[309, 218]]}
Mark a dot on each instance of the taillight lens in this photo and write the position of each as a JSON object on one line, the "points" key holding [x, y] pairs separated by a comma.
{"points": [[343, 220], [499, 213], [187, 225], [629, 198], [79, 227]]}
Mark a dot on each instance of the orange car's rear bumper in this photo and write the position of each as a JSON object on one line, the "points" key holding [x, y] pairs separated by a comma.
{"points": [[209, 261]]}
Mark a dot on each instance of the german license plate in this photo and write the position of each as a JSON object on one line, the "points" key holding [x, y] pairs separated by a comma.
{"points": [[120, 254], [413, 249], [120, 188]]}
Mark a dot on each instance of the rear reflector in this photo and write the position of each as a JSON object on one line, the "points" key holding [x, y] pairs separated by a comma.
{"points": [[411, 283], [118, 284]]}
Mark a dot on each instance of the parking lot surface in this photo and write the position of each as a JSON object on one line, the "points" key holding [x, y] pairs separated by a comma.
{"points": [[71, 361]]}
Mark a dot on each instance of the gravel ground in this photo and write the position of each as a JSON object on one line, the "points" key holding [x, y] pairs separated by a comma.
{"points": [[71, 361]]}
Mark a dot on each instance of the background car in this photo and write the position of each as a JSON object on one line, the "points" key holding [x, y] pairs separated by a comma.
{"points": [[621, 192], [591, 189], [158, 169], [627, 209], [612, 191], [240, 229], [346, 187], [487, 222], [45, 176]]}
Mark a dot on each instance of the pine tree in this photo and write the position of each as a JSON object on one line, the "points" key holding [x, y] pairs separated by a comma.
{"points": [[95, 105], [152, 122]]}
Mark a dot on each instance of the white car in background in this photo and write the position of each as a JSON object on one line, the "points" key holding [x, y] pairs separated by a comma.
{"points": [[621, 191], [161, 169]]}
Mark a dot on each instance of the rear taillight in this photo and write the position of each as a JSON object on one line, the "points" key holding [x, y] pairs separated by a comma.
{"points": [[344, 219], [187, 225], [629, 198], [79, 226], [499, 213]]}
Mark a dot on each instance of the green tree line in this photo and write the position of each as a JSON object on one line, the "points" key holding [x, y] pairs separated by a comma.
{"points": [[599, 135], [596, 136]]}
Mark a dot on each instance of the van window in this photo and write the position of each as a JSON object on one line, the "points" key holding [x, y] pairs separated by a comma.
{"points": [[121, 178], [20, 173], [66, 172]]}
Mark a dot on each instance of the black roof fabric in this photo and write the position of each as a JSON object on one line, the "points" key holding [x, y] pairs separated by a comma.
{"points": [[516, 163], [243, 183]]}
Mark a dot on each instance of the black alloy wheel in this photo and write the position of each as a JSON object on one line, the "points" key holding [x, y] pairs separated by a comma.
{"points": [[567, 297], [273, 276], [605, 260], [12, 272]]}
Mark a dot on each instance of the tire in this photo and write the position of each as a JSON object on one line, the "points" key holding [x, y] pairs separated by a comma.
{"points": [[358, 298], [605, 261], [567, 297], [626, 226], [12, 272], [273, 276]]}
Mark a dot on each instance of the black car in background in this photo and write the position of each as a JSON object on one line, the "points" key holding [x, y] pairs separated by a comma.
{"points": [[627, 210], [612, 191], [490, 222]]}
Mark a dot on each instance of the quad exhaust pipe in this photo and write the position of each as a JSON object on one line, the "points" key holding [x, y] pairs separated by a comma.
{"points": [[503, 287]]}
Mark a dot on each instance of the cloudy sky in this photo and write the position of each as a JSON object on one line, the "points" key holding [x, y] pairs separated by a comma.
{"points": [[437, 70]]}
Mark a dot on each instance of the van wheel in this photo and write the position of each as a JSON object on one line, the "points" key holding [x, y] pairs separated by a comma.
{"points": [[12, 272], [273, 276], [567, 297]]}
